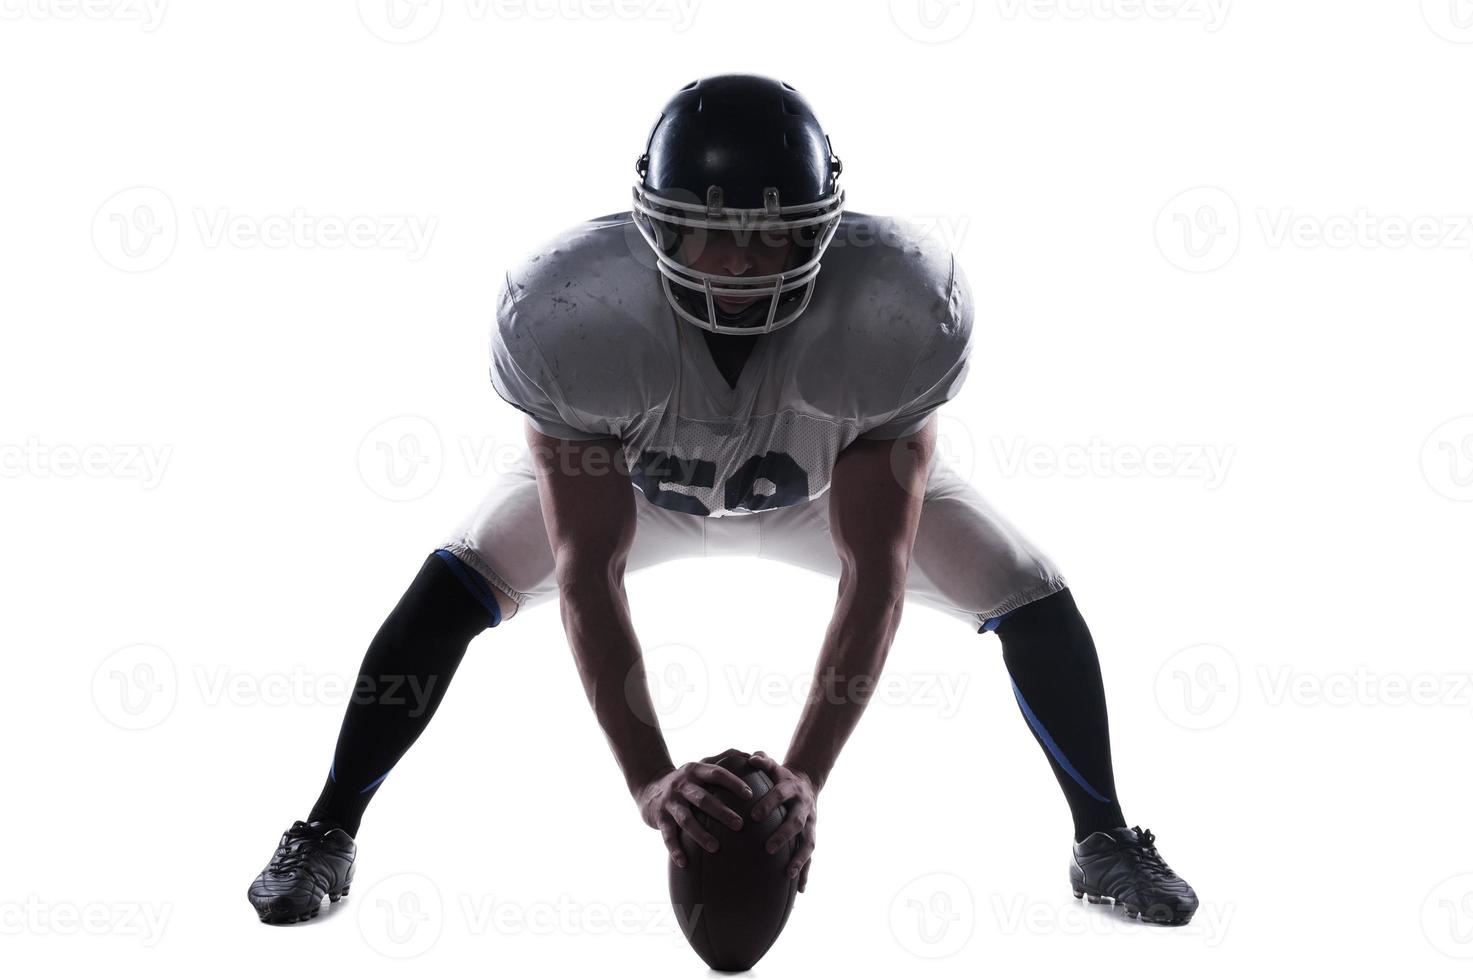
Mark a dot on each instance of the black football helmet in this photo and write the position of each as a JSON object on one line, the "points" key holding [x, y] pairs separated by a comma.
{"points": [[744, 156]]}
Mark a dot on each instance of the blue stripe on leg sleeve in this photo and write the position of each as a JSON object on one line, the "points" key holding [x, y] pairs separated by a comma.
{"points": [[1053, 747], [376, 781]]}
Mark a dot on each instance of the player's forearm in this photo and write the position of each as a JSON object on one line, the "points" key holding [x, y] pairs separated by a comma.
{"points": [[601, 634], [849, 665]]}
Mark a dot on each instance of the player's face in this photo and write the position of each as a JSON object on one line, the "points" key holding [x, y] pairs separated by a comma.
{"points": [[726, 253]]}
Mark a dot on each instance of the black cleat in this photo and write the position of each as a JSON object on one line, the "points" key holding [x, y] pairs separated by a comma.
{"points": [[313, 860], [1122, 867]]}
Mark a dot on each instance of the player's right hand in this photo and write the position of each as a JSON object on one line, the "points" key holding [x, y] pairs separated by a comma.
{"points": [[666, 802]]}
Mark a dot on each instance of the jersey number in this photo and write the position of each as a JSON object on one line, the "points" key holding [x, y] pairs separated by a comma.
{"points": [[763, 482]]}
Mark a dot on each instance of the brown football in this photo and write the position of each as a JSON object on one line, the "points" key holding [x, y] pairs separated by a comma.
{"points": [[732, 905]]}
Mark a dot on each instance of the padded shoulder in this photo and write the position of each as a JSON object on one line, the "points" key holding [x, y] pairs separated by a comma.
{"points": [[904, 313], [574, 342]]}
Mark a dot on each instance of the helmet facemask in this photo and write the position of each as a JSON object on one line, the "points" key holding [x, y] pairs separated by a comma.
{"points": [[677, 232]]}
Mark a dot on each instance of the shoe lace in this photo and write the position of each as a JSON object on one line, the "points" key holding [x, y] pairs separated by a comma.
{"points": [[296, 846], [1146, 854]]}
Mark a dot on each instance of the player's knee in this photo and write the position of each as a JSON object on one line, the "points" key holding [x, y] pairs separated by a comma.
{"points": [[446, 599], [1052, 620]]}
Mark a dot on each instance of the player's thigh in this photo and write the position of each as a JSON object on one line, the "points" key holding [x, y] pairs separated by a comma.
{"points": [[971, 560], [504, 538], [968, 561]]}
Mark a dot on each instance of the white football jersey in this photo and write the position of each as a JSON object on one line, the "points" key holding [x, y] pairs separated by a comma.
{"points": [[587, 345]]}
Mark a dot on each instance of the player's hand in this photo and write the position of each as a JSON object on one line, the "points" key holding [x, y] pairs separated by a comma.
{"points": [[794, 788], [665, 803]]}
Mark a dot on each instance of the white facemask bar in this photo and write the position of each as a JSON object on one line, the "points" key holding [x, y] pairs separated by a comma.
{"points": [[649, 208]]}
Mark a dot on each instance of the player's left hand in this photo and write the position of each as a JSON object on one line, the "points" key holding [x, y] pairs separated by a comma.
{"points": [[791, 787]]}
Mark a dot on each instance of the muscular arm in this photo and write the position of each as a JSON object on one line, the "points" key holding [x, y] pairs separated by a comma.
{"points": [[589, 511], [874, 509]]}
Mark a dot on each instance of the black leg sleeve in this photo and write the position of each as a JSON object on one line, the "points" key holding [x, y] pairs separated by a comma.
{"points": [[403, 677], [1056, 680]]}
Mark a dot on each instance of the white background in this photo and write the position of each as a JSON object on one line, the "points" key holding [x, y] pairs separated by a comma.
{"points": [[1229, 239]]}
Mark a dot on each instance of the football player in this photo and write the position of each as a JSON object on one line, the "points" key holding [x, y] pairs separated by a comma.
{"points": [[737, 365]]}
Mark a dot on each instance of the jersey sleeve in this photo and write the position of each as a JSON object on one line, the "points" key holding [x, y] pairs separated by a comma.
{"points": [[939, 369], [520, 374]]}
